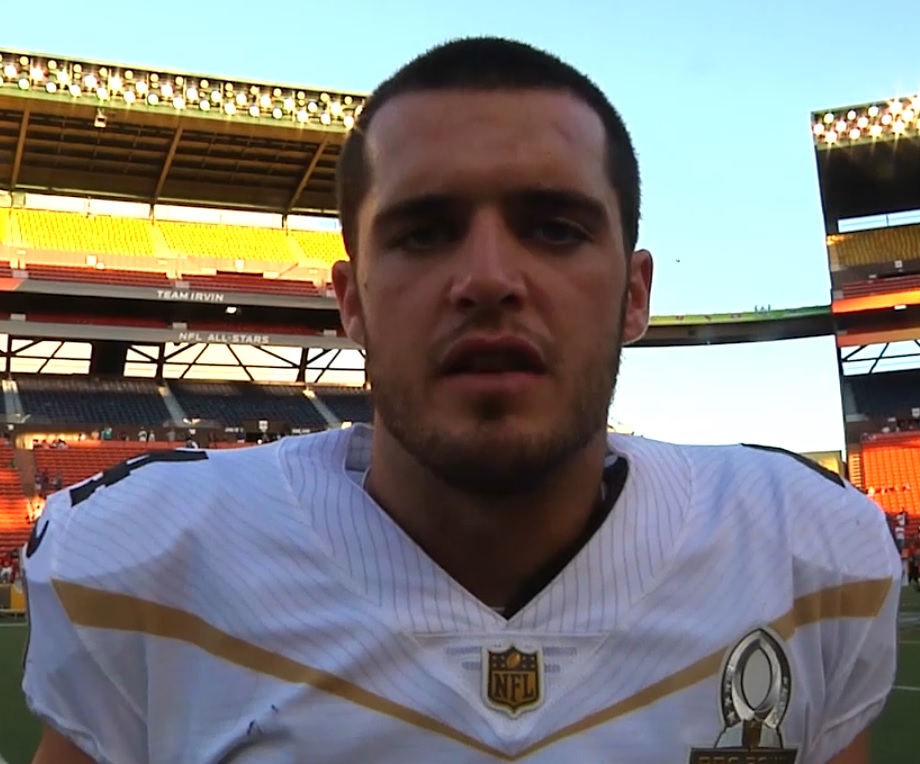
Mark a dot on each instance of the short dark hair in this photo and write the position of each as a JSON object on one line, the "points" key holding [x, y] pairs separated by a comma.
{"points": [[488, 63]]}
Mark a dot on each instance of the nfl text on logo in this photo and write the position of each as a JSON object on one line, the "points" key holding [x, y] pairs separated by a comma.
{"points": [[752, 724], [512, 679]]}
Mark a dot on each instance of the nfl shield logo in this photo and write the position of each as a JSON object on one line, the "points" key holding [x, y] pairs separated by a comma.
{"points": [[512, 680]]}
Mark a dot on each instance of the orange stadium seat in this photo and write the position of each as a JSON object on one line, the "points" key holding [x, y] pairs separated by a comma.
{"points": [[228, 242], [879, 245], [73, 232], [891, 471], [323, 246], [83, 460], [14, 518]]}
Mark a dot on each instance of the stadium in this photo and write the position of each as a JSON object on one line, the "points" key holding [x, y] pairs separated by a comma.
{"points": [[165, 246]]}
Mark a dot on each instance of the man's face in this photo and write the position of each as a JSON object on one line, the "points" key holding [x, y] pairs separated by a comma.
{"points": [[491, 288]]}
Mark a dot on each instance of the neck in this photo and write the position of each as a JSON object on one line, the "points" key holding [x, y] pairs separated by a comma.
{"points": [[490, 546]]}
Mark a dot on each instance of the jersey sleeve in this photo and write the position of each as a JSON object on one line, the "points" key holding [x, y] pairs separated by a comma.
{"points": [[64, 682], [862, 666]]}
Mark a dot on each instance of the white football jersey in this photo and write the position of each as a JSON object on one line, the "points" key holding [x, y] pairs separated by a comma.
{"points": [[256, 606]]}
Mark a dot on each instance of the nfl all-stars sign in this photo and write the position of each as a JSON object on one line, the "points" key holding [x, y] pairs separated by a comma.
{"points": [[224, 338]]}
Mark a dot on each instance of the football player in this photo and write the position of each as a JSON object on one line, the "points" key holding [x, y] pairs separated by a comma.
{"points": [[484, 575]]}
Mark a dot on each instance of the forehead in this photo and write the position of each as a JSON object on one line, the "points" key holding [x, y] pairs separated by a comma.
{"points": [[476, 142]]}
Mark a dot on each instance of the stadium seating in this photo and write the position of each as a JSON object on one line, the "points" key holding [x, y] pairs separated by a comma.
{"points": [[891, 471], [229, 242], [83, 401], [112, 276], [77, 319], [886, 393], [14, 518], [881, 286], [157, 246], [232, 403], [73, 232], [876, 246], [349, 405], [87, 458], [158, 280], [324, 246], [247, 282]]}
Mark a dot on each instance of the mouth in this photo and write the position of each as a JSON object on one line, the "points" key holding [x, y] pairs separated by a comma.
{"points": [[492, 357]]}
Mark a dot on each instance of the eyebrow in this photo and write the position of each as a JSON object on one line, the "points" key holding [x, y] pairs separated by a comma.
{"points": [[593, 210], [429, 205]]}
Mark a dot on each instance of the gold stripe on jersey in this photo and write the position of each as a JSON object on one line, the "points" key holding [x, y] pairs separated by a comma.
{"points": [[98, 608], [860, 599]]}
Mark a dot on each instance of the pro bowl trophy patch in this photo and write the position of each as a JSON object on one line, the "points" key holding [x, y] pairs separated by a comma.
{"points": [[512, 680], [756, 687]]}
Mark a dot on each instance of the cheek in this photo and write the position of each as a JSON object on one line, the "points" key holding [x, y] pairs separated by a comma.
{"points": [[396, 333], [594, 305]]}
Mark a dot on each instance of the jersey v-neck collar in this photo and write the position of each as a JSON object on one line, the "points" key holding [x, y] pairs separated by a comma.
{"points": [[585, 591]]}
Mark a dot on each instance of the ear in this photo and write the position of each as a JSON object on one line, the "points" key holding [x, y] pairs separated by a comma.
{"points": [[638, 293], [345, 283]]}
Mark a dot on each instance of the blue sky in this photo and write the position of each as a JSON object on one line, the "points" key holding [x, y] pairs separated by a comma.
{"points": [[717, 95]]}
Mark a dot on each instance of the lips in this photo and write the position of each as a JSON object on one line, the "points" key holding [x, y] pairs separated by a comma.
{"points": [[493, 355]]}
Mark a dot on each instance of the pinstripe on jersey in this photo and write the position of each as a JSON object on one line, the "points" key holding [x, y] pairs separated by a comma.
{"points": [[257, 606]]}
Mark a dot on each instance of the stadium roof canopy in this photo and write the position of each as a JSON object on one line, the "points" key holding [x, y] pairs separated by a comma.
{"points": [[88, 128], [868, 159]]}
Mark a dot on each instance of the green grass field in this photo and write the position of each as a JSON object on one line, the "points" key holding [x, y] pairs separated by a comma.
{"points": [[894, 737]]}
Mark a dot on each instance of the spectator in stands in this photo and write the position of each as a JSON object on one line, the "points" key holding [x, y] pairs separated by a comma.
{"points": [[913, 566], [142, 435], [106, 433], [6, 569], [151, 436], [190, 442], [58, 482], [41, 483]]}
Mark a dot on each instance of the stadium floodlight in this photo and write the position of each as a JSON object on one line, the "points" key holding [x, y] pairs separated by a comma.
{"points": [[890, 120], [125, 87]]}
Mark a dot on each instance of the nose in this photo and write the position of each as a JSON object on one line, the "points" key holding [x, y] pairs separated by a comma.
{"points": [[489, 265]]}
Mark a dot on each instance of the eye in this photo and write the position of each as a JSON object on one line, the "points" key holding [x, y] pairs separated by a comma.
{"points": [[558, 233], [423, 238]]}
